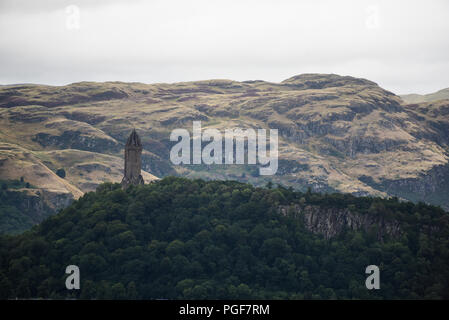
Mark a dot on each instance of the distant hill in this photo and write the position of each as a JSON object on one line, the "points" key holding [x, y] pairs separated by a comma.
{"points": [[417, 98], [337, 133], [192, 239]]}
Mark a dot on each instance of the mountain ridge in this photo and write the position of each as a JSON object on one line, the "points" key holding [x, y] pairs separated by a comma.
{"points": [[335, 131], [442, 94]]}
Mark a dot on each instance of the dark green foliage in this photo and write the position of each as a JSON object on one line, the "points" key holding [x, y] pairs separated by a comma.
{"points": [[179, 238], [15, 184], [61, 172]]}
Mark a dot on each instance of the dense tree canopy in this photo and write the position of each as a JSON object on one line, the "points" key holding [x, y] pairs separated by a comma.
{"points": [[179, 238]]}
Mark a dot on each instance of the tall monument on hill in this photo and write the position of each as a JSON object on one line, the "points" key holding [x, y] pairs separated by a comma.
{"points": [[133, 161]]}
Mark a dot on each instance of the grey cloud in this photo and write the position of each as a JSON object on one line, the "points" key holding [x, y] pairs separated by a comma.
{"points": [[30, 6], [169, 41]]}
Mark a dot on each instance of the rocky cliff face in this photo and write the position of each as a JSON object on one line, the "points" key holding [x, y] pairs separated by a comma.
{"points": [[38, 203], [337, 133], [431, 187], [22, 208], [330, 222], [55, 200], [33, 205]]}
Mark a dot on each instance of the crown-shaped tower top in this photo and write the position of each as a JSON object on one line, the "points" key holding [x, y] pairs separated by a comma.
{"points": [[134, 140]]}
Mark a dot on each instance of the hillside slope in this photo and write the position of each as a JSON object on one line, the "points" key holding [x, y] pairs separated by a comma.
{"points": [[185, 239], [336, 133], [418, 98]]}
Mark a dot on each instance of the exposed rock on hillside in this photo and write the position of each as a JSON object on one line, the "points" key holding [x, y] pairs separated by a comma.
{"points": [[330, 222], [337, 133]]}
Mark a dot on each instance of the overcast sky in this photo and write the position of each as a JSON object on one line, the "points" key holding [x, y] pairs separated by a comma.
{"points": [[401, 45]]}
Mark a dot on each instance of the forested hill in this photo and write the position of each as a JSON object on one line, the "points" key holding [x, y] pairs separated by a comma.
{"points": [[179, 238]]}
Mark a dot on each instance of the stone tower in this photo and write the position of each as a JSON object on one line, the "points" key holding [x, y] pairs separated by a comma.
{"points": [[133, 161]]}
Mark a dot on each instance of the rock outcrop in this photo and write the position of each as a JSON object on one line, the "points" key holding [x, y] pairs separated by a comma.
{"points": [[330, 222], [336, 133]]}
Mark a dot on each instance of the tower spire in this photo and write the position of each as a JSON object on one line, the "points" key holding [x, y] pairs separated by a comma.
{"points": [[133, 161]]}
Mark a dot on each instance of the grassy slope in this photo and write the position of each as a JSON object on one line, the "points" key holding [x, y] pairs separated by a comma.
{"points": [[333, 129], [418, 98]]}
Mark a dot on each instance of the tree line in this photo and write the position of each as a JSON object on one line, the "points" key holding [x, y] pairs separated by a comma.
{"points": [[194, 239]]}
